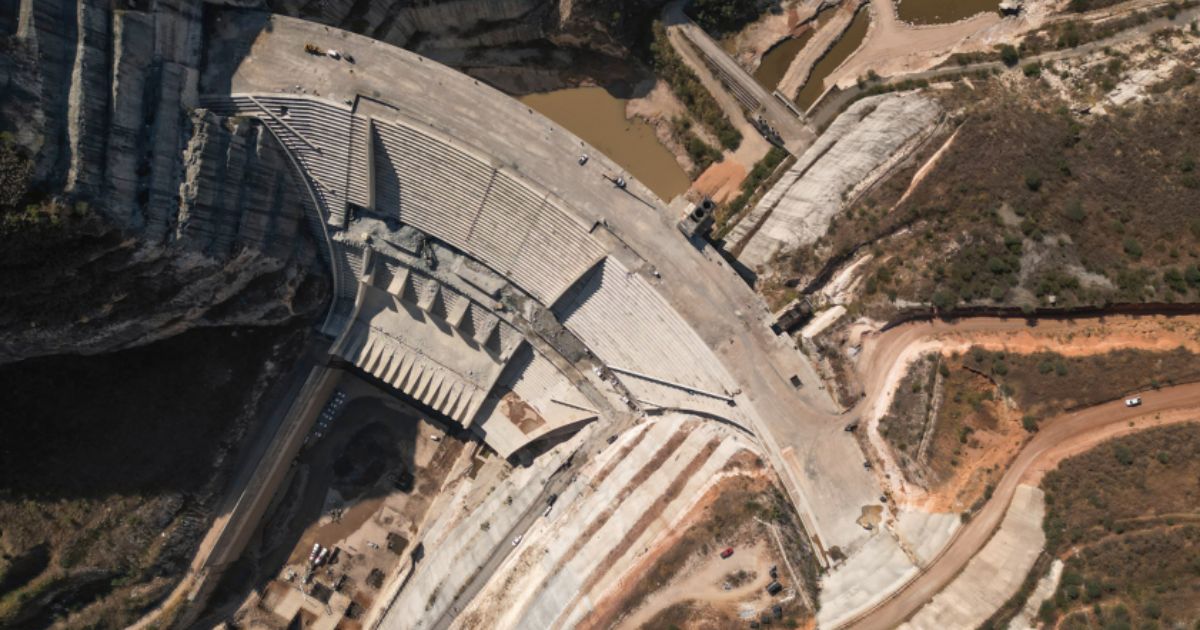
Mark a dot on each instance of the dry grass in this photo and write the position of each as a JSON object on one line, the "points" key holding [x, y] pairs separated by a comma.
{"points": [[728, 519], [960, 428], [1046, 383], [1029, 198], [694, 615]]}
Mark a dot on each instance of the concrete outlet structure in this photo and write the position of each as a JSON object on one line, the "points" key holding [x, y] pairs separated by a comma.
{"points": [[480, 269]]}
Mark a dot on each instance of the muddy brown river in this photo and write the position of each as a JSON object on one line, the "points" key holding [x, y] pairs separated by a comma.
{"points": [[595, 115], [942, 11]]}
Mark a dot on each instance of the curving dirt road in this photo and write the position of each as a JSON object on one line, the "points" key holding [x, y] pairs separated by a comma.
{"points": [[1060, 436], [883, 353]]}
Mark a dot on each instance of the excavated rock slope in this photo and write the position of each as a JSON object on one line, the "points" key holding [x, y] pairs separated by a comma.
{"points": [[636, 493], [859, 148], [186, 218]]}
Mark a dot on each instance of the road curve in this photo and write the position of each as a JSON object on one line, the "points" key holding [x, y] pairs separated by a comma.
{"points": [[972, 536]]}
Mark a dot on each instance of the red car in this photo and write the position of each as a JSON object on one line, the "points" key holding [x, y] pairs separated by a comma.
{"points": [[728, 552]]}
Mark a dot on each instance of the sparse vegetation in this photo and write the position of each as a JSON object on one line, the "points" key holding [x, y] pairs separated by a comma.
{"points": [[1044, 217], [699, 151], [722, 16], [1124, 514], [754, 180], [16, 170], [685, 85], [973, 390]]}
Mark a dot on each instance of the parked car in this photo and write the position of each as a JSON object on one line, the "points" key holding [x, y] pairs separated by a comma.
{"points": [[517, 540], [1136, 401], [727, 552]]}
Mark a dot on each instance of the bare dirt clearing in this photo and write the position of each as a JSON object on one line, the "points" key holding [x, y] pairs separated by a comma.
{"points": [[685, 576], [363, 489]]}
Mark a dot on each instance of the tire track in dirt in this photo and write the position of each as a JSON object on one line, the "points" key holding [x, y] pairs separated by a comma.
{"points": [[1059, 438]]}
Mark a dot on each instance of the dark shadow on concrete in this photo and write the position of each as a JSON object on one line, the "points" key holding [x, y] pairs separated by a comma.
{"points": [[228, 36]]}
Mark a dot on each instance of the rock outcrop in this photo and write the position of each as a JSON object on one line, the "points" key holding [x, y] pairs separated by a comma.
{"points": [[162, 217], [513, 43]]}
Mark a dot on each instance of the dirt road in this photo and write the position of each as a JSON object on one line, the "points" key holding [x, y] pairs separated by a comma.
{"points": [[882, 352], [1180, 403]]}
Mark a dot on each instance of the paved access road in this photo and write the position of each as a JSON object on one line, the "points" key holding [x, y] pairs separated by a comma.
{"points": [[1077, 426]]}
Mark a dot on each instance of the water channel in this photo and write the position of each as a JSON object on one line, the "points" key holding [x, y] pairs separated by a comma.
{"points": [[775, 62], [838, 53], [595, 115], [942, 11]]}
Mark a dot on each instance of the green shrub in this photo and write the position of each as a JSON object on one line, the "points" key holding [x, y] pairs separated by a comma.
{"points": [[1192, 275], [1048, 612], [1174, 280], [684, 83], [1033, 181], [943, 300], [700, 152], [1075, 211], [1009, 55], [1132, 247]]}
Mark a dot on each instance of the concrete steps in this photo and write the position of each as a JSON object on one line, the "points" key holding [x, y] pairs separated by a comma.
{"points": [[628, 325]]}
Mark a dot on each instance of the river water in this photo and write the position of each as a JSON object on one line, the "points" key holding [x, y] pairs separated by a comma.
{"points": [[837, 54], [775, 62], [942, 11], [595, 115]]}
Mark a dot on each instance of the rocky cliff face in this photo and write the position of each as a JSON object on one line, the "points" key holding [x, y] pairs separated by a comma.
{"points": [[520, 45], [128, 215], [140, 216]]}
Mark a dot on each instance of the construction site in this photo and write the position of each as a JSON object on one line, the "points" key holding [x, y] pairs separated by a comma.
{"points": [[837, 380]]}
